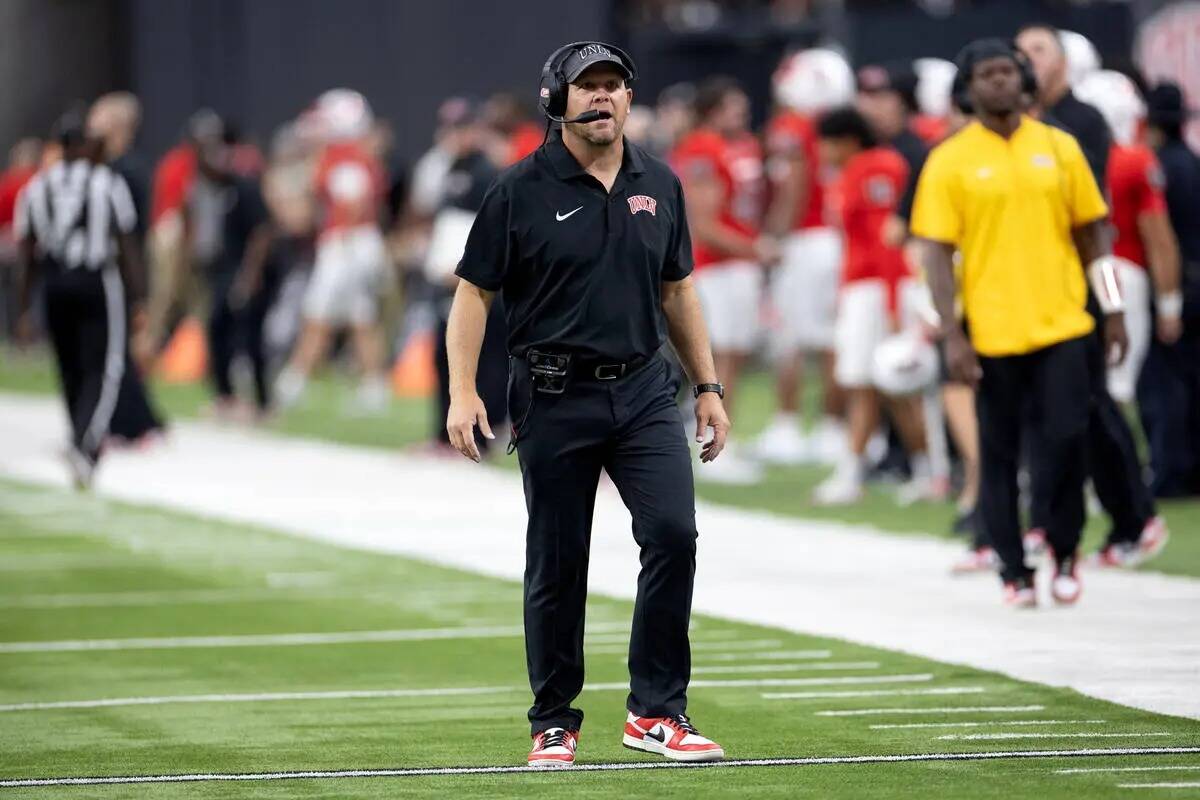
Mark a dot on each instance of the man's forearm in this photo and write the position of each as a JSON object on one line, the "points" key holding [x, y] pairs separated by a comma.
{"points": [[1162, 252], [464, 335], [1091, 241], [687, 331], [130, 254], [724, 239], [938, 261]]}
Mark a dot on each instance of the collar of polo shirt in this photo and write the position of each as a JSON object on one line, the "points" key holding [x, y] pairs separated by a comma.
{"points": [[565, 165]]}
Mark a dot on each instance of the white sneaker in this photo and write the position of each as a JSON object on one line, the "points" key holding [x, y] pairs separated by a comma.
{"points": [[289, 387], [828, 443], [372, 397], [782, 442], [839, 489], [730, 468]]}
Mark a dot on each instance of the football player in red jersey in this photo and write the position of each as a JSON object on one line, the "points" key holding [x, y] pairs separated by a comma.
{"points": [[351, 260], [803, 288], [1143, 239], [878, 295], [720, 166]]}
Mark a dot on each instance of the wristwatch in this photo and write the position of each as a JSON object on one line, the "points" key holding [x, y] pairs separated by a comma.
{"points": [[701, 388]]}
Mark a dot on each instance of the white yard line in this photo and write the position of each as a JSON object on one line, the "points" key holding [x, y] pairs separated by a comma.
{"points": [[830, 665], [765, 655], [1085, 770], [995, 737], [1132, 640], [862, 712], [264, 640], [874, 693], [1180, 785], [987, 723], [161, 598], [200, 777]]}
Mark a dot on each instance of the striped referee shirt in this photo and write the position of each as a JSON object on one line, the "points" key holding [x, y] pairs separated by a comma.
{"points": [[73, 210]]}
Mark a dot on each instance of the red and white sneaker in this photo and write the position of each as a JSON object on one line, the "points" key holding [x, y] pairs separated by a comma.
{"points": [[674, 737], [981, 559], [1020, 593], [554, 747], [1065, 588], [1036, 544], [1128, 555]]}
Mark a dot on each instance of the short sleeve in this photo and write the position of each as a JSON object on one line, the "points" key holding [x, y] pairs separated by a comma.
{"points": [[1087, 203], [678, 264], [936, 213], [124, 211], [488, 253]]}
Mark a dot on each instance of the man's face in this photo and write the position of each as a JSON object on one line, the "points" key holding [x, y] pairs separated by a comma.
{"points": [[599, 88], [996, 85], [1046, 53], [732, 116], [835, 151], [884, 110]]}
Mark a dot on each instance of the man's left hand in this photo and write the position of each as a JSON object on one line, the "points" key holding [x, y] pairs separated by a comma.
{"points": [[1116, 341], [710, 413]]}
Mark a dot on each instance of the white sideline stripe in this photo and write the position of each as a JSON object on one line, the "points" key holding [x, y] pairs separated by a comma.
{"points": [[991, 737], [871, 693], [262, 697], [856, 712], [767, 655], [611, 767], [1181, 785], [986, 722], [748, 644], [1083, 770], [729, 668], [765, 682], [260, 640], [153, 598]]}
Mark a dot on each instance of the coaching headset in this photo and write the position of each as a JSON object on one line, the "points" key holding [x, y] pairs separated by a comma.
{"points": [[980, 50], [552, 91]]}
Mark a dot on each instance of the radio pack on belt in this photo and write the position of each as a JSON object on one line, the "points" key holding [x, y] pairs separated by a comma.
{"points": [[549, 370]]}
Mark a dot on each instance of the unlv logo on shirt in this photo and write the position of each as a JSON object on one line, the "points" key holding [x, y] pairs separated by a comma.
{"points": [[640, 202]]}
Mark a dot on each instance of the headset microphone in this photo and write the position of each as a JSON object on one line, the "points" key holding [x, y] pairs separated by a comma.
{"points": [[584, 118]]}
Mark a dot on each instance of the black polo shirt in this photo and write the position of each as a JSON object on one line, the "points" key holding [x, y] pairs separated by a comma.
{"points": [[1088, 126], [580, 269]]}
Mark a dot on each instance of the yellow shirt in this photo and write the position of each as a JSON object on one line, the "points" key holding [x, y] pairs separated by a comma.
{"points": [[1009, 206]]}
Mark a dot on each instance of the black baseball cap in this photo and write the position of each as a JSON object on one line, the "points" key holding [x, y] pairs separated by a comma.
{"points": [[1165, 104], [590, 54], [896, 76]]}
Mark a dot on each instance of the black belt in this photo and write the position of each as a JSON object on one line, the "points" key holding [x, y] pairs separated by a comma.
{"points": [[554, 370]]}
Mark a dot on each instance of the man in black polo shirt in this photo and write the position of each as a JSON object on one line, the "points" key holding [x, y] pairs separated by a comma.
{"points": [[1112, 458], [587, 240]]}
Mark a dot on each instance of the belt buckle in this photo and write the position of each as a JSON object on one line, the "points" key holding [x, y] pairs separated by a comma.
{"points": [[608, 372]]}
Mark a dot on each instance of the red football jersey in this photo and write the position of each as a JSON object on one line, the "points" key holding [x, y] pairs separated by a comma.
{"points": [[349, 183], [1135, 184], [173, 180], [870, 187], [737, 165], [790, 134]]}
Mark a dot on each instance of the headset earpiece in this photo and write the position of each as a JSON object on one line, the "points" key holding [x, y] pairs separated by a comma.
{"points": [[552, 90]]}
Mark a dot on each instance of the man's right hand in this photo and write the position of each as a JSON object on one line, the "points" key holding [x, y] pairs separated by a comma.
{"points": [[466, 411], [961, 360]]}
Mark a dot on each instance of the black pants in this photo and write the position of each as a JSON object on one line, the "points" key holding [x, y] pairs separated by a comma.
{"points": [[1112, 458], [1043, 393], [85, 315], [231, 331], [630, 428], [1168, 395], [491, 376]]}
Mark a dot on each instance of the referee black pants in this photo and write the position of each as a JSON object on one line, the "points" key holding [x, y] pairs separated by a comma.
{"points": [[630, 428], [85, 315], [1043, 394]]}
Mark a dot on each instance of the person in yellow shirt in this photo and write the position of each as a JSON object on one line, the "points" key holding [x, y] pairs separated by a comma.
{"points": [[1017, 199]]}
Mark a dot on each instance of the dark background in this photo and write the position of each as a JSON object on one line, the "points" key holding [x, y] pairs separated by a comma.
{"points": [[261, 61]]}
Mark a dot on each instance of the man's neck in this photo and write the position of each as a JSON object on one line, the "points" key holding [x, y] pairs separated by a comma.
{"points": [[1051, 95], [595, 158], [1004, 125]]}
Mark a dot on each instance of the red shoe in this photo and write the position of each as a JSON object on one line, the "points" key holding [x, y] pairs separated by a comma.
{"points": [[554, 747], [1128, 555], [674, 737], [982, 559], [1065, 587], [1020, 593]]}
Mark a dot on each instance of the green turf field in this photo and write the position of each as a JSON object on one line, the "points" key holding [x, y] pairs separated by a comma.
{"points": [[784, 490], [105, 601]]}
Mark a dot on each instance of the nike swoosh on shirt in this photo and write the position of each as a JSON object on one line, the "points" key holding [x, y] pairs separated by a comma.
{"points": [[560, 216]]}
